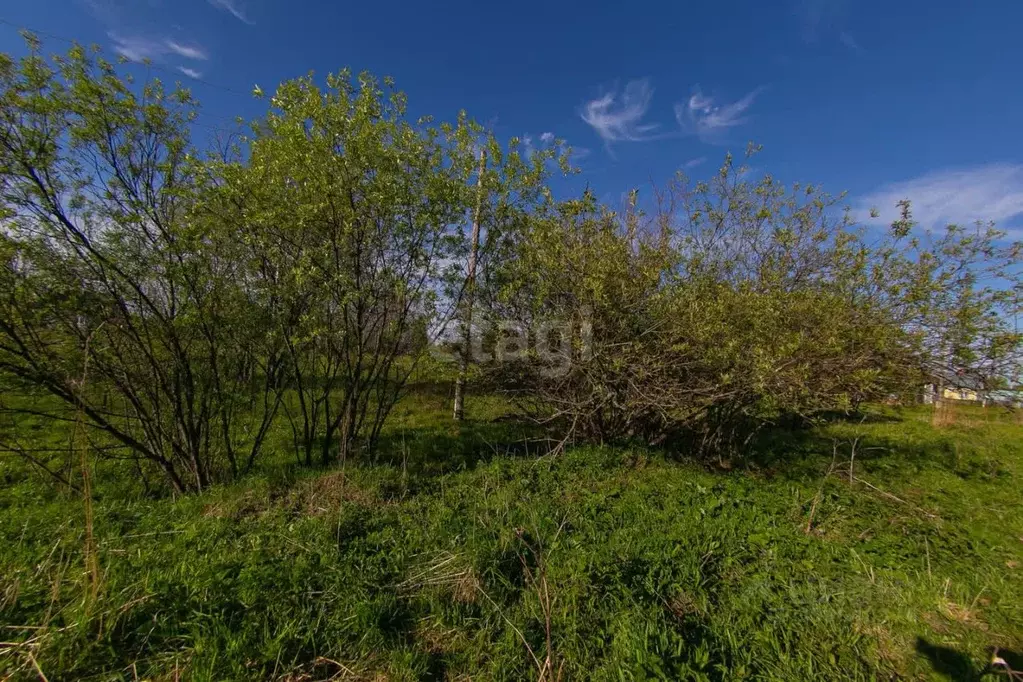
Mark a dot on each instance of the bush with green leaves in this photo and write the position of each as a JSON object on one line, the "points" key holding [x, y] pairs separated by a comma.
{"points": [[739, 302], [116, 300], [179, 300]]}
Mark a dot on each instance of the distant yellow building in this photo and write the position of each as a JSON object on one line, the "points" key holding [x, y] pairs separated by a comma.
{"points": [[946, 384], [955, 393]]}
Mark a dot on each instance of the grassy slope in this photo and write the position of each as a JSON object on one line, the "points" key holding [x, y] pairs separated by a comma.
{"points": [[452, 559]]}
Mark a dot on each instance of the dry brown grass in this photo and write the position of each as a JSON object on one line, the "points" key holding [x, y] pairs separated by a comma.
{"points": [[326, 494], [321, 495], [892, 649], [681, 605], [466, 589], [970, 616], [328, 670], [247, 504], [944, 414], [450, 573]]}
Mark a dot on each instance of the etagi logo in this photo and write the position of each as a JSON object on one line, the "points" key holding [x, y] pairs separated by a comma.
{"points": [[551, 345]]}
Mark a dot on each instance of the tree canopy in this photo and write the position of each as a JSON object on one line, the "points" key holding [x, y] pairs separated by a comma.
{"points": [[183, 301]]}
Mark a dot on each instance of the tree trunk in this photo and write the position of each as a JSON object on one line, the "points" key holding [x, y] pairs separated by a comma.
{"points": [[468, 298]]}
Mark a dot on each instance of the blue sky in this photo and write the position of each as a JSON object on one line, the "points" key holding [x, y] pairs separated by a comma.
{"points": [[881, 99]]}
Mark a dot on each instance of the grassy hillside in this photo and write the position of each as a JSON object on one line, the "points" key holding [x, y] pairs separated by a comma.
{"points": [[461, 554]]}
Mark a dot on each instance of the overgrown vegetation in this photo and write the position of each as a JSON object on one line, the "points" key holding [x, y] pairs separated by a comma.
{"points": [[739, 302], [229, 451], [453, 557]]}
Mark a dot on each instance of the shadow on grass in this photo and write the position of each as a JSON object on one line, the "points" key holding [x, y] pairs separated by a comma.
{"points": [[423, 442], [437, 449], [793, 448], [421, 438], [955, 665], [850, 417], [881, 441]]}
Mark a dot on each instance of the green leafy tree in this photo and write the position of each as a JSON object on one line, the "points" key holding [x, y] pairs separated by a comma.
{"points": [[347, 213], [106, 268]]}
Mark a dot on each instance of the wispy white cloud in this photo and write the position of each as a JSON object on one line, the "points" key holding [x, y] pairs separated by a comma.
{"points": [[959, 196], [706, 118], [547, 138], [618, 117], [140, 48], [693, 163], [137, 49], [191, 73], [187, 51], [232, 7], [579, 153]]}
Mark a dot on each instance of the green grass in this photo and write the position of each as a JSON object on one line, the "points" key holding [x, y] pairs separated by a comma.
{"points": [[456, 555]]}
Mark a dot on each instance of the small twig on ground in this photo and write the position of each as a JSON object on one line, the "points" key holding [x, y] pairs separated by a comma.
{"points": [[35, 664], [852, 457], [343, 668], [897, 499], [820, 491], [927, 549]]}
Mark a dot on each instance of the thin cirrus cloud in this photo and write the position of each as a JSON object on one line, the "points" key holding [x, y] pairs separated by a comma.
{"points": [[619, 117], [138, 48], [705, 117], [622, 116], [232, 8], [191, 73], [956, 196], [186, 51]]}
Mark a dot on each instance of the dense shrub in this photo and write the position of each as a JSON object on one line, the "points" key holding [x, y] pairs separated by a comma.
{"points": [[178, 302], [738, 302]]}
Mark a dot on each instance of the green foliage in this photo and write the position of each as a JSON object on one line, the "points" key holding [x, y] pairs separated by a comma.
{"points": [[344, 211], [114, 300], [171, 296], [740, 302], [173, 314]]}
